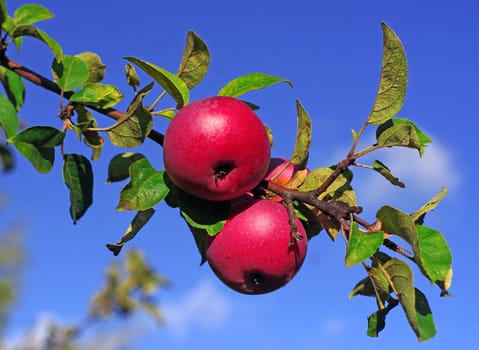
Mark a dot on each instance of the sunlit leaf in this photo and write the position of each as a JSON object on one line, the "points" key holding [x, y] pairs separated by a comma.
{"points": [[434, 254], [402, 132], [37, 145], [78, 176], [430, 205], [30, 13], [131, 76], [250, 82], [140, 220], [70, 73], [417, 309], [118, 168], [145, 189], [393, 81], [8, 117], [172, 84], [195, 61], [317, 176], [96, 68], [361, 245], [303, 136], [97, 95], [30, 30]]}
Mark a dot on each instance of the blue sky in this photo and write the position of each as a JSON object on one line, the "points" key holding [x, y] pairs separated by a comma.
{"points": [[331, 51]]}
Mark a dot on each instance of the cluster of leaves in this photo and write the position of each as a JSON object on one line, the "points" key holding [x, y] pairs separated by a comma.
{"points": [[78, 81]]}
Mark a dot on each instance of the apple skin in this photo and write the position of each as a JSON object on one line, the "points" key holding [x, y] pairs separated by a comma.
{"points": [[280, 171], [253, 253], [216, 148]]}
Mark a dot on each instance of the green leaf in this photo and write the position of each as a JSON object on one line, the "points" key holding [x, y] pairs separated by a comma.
{"points": [[195, 61], [382, 169], [393, 81], [8, 117], [402, 132], [361, 245], [30, 30], [132, 130], [435, 256], [303, 136], [131, 76], [172, 84], [399, 223], [145, 189], [96, 68], [3, 12], [207, 216], [28, 14], [376, 322], [97, 95], [70, 73], [317, 176], [118, 169], [417, 310], [431, 252], [14, 87], [92, 138], [78, 176], [375, 285], [6, 159], [250, 82], [140, 220], [211, 229], [430, 205], [36, 144]]}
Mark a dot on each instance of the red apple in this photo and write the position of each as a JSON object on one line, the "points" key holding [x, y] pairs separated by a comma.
{"points": [[253, 253], [216, 148]]}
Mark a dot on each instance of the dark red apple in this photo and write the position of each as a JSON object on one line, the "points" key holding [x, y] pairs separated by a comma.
{"points": [[216, 148], [253, 253]]}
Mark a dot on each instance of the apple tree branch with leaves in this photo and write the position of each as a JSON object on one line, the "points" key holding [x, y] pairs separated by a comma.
{"points": [[251, 215]]}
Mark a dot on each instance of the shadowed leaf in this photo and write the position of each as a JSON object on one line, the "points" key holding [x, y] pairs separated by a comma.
{"points": [[37, 145], [96, 68], [78, 176], [14, 87], [118, 168], [140, 220], [386, 173]]}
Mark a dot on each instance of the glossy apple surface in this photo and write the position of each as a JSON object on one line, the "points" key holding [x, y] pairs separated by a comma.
{"points": [[216, 148], [253, 253]]}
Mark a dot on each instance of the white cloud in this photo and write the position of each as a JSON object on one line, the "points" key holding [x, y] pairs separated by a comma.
{"points": [[203, 307], [333, 326]]}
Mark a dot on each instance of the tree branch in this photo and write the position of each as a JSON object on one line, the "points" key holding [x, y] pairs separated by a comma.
{"points": [[50, 85]]}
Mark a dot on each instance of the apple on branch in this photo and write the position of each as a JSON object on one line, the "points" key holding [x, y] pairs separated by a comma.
{"points": [[216, 148]]}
